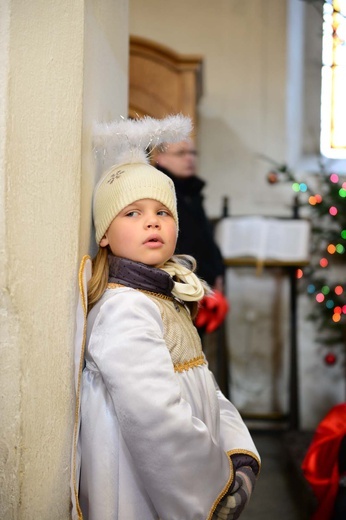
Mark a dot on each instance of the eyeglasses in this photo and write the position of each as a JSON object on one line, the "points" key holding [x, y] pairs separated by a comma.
{"points": [[182, 153]]}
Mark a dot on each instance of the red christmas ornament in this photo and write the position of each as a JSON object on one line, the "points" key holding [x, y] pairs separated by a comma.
{"points": [[272, 177], [330, 359]]}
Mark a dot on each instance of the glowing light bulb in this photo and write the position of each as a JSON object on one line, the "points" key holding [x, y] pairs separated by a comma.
{"points": [[336, 317], [303, 187], [330, 359], [333, 211], [318, 198], [339, 290], [311, 288], [312, 200], [343, 234], [299, 273], [325, 290], [334, 178], [319, 297], [331, 249], [342, 192], [323, 262], [340, 249], [329, 304], [295, 187]]}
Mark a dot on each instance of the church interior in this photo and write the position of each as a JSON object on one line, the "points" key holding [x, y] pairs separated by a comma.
{"points": [[263, 82], [251, 79]]}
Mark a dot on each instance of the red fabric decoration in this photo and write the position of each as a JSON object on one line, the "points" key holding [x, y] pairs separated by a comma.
{"points": [[320, 465], [212, 312]]}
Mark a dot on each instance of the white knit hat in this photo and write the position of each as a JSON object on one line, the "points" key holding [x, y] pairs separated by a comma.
{"points": [[131, 178], [123, 185]]}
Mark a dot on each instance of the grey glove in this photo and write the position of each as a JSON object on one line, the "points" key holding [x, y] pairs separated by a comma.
{"points": [[232, 505]]}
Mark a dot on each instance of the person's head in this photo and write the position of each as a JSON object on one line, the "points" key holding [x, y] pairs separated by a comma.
{"points": [[134, 204], [144, 231], [135, 217], [178, 158]]}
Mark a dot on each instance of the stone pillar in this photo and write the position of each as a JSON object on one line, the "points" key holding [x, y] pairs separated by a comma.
{"points": [[63, 66]]}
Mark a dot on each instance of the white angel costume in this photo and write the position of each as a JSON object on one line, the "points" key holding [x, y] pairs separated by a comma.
{"points": [[154, 435]]}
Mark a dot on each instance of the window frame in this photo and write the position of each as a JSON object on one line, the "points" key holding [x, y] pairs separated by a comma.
{"points": [[304, 84]]}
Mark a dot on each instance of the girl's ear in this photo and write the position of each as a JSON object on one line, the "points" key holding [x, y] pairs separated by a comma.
{"points": [[104, 241]]}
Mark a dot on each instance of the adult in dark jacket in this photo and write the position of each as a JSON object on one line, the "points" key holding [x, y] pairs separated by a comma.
{"points": [[179, 161], [195, 238]]}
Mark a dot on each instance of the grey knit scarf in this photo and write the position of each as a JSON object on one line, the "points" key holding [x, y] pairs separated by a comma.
{"points": [[139, 276]]}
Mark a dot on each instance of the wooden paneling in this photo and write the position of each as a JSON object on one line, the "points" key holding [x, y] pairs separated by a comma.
{"points": [[163, 82]]}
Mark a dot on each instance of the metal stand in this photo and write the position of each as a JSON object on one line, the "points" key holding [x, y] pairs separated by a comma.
{"points": [[294, 423]]}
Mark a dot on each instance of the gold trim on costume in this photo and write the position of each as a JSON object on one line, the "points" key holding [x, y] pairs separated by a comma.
{"points": [[246, 452], [224, 491], [80, 283], [195, 362], [113, 285], [80, 370]]}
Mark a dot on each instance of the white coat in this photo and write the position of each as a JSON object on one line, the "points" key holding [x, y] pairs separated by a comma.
{"points": [[156, 434]]}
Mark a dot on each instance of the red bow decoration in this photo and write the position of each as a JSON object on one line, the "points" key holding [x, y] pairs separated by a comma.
{"points": [[320, 465], [212, 311]]}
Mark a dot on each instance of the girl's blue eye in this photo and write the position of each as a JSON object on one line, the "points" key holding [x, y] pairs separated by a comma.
{"points": [[163, 212], [132, 213]]}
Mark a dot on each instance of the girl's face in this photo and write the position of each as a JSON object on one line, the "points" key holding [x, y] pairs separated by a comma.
{"points": [[144, 231]]}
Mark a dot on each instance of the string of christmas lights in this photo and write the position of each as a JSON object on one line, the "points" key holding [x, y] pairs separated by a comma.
{"points": [[327, 211]]}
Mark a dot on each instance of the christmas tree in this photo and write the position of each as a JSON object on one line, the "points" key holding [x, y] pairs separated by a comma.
{"points": [[324, 278]]}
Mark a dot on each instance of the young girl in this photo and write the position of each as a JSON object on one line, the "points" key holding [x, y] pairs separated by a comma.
{"points": [[157, 438]]}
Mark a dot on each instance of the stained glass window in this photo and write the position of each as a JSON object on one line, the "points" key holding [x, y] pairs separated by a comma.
{"points": [[333, 98]]}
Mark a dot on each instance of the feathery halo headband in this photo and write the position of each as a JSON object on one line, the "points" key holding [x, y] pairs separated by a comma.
{"points": [[127, 141], [126, 175]]}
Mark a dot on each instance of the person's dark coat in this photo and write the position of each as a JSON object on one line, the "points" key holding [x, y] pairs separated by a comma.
{"points": [[195, 230]]}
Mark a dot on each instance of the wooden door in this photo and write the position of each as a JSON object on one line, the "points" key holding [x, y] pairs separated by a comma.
{"points": [[163, 82]]}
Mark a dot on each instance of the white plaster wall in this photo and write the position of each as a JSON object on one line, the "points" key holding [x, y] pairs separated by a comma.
{"points": [[51, 53], [9, 354], [253, 103], [105, 89], [244, 49]]}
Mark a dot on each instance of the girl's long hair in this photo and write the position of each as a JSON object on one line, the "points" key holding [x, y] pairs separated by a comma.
{"points": [[99, 279], [100, 272]]}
